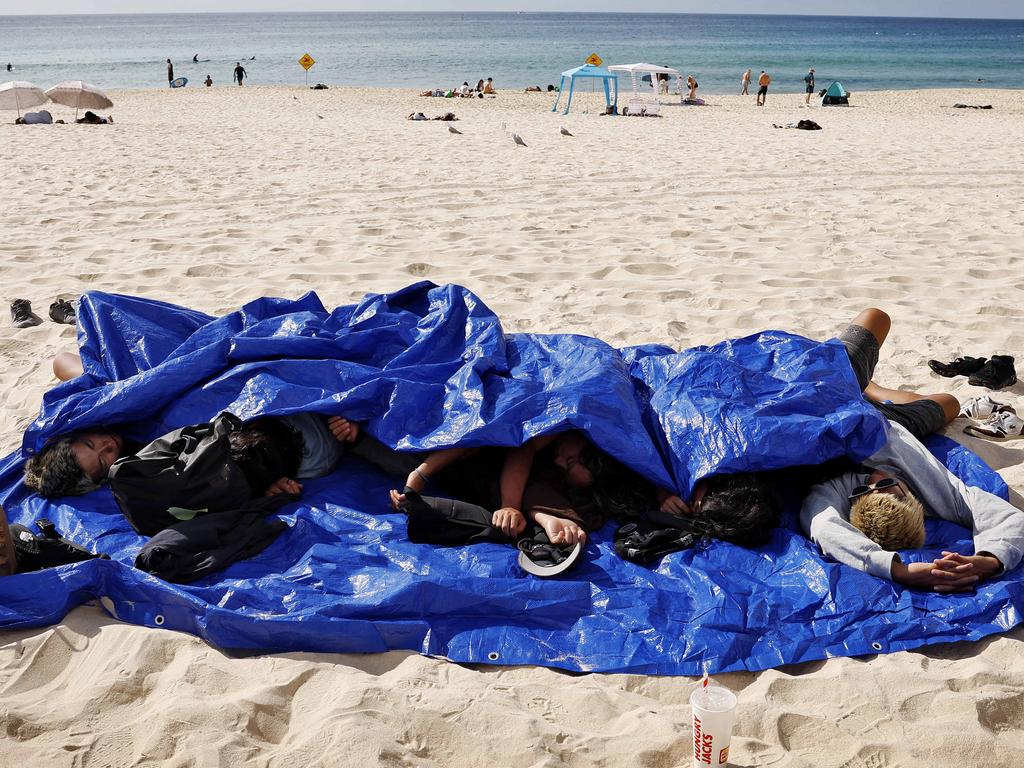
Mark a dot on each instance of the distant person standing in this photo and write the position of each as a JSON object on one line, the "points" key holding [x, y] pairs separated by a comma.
{"points": [[746, 84], [809, 82], [762, 92], [240, 73], [170, 72]]}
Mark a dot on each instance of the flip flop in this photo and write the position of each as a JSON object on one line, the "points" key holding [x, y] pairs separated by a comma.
{"points": [[1000, 427]]}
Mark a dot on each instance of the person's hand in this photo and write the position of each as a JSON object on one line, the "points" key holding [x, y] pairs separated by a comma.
{"points": [[560, 530], [940, 575], [510, 521], [398, 500], [673, 505], [283, 485], [982, 565], [344, 431]]}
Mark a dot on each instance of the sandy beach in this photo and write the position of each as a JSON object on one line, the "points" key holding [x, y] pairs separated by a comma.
{"points": [[702, 225]]}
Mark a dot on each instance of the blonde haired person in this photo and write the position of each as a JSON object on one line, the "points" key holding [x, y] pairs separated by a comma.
{"points": [[863, 517]]}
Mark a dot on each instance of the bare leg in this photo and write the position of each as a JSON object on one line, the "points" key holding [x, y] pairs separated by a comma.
{"points": [[67, 366], [949, 404], [876, 322]]}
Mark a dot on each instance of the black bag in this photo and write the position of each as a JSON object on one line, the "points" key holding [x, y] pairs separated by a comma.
{"points": [[656, 534], [33, 553], [194, 548], [180, 475]]}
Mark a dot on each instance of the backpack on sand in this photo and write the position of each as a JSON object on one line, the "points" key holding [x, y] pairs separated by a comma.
{"points": [[180, 475]]}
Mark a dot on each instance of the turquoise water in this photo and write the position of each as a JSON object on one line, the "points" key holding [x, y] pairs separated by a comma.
{"points": [[440, 50]]}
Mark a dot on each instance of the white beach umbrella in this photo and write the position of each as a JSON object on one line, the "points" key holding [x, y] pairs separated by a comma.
{"points": [[20, 95], [80, 95]]}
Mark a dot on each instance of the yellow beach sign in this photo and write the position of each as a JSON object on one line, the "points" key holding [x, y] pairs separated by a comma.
{"points": [[307, 61], [595, 60]]}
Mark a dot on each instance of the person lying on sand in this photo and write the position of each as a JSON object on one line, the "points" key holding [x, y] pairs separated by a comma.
{"points": [[91, 118], [274, 452], [566, 485], [862, 516]]}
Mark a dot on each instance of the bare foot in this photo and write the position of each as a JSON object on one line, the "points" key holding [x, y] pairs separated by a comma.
{"points": [[560, 530]]}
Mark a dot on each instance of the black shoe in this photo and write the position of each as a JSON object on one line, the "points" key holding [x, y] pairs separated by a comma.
{"points": [[36, 552], [997, 373], [21, 314], [62, 311], [962, 366]]}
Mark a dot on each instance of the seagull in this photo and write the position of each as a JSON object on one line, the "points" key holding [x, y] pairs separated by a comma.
{"points": [[319, 115], [518, 139], [504, 127], [564, 131], [453, 129]]}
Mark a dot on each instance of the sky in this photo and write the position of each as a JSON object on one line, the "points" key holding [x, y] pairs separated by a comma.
{"points": [[998, 9]]}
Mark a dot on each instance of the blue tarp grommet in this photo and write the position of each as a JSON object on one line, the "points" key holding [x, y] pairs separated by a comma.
{"points": [[493, 656], [158, 619], [876, 645]]}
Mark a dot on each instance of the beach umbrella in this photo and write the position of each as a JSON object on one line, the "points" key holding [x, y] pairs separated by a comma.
{"points": [[75, 93], [20, 95]]}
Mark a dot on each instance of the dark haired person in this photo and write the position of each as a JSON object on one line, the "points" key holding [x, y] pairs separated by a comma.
{"points": [[863, 516], [569, 487], [274, 452]]}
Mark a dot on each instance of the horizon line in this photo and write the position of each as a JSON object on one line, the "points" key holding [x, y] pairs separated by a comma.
{"points": [[524, 13]]}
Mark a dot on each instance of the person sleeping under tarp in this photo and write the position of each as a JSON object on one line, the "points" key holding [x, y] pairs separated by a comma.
{"points": [[563, 484], [429, 368]]}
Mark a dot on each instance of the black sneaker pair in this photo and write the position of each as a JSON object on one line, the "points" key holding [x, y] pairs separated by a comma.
{"points": [[61, 311], [997, 372]]}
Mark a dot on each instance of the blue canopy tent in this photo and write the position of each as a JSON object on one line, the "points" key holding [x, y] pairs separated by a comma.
{"points": [[611, 94]]}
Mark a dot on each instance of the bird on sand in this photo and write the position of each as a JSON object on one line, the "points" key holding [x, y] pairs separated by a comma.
{"points": [[564, 131], [518, 139], [453, 129]]}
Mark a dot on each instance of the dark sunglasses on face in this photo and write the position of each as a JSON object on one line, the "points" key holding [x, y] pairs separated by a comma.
{"points": [[881, 485]]}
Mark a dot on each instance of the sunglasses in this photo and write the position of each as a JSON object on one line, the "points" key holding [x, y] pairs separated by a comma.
{"points": [[881, 485]]}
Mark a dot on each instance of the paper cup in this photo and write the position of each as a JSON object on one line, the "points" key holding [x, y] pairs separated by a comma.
{"points": [[714, 711]]}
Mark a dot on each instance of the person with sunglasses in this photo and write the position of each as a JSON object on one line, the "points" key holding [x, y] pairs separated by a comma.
{"points": [[862, 517]]}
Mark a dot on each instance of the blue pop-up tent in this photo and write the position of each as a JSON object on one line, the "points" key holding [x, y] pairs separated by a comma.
{"points": [[611, 85]]}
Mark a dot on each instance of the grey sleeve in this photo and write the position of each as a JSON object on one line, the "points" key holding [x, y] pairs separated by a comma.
{"points": [[837, 538], [997, 526]]}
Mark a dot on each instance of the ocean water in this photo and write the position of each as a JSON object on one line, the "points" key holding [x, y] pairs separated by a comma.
{"points": [[516, 49]]}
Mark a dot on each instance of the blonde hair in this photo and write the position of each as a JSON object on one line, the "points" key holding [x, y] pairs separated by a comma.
{"points": [[890, 521]]}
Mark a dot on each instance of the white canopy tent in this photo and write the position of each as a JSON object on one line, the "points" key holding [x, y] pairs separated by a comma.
{"points": [[637, 71]]}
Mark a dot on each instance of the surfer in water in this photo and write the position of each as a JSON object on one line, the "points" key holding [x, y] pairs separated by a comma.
{"points": [[195, 59], [240, 72]]}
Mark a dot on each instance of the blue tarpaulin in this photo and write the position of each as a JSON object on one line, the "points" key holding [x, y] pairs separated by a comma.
{"points": [[431, 366]]}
